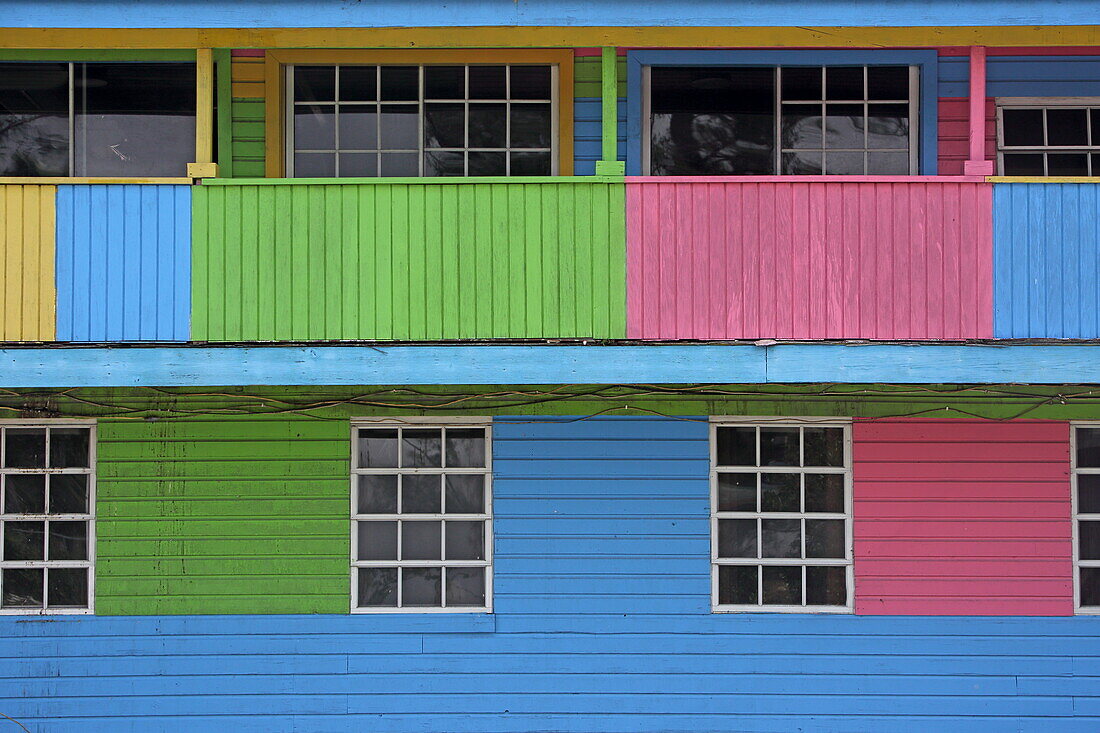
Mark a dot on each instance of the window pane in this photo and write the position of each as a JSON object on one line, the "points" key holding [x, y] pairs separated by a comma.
{"points": [[487, 82], [377, 494], [1067, 127], [823, 447], [444, 125], [444, 82], [780, 492], [844, 82], [315, 127], [802, 126], [25, 494], [400, 128], [887, 164], [358, 83], [378, 587], [1090, 586], [779, 447], [782, 585], [377, 448], [358, 165], [888, 82], [530, 126], [465, 586], [377, 541], [399, 164], [24, 540], [1024, 164], [844, 164], [420, 540], [68, 541], [314, 83], [1088, 538], [134, 119], [421, 586], [68, 587], [780, 538], [737, 492], [444, 164], [887, 126], [465, 493], [825, 538], [844, 126], [314, 165], [531, 164], [487, 164], [465, 448], [824, 492], [801, 83], [1094, 124], [23, 587], [737, 585], [530, 82], [25, 448], [1088, 493], [421, 448], [826, 586], [737, 538], [736, 446], [34, 119], [803, 164], [465, 540], [1022, 127], [487, 125], [1067, 164], [1088, 447], [400, 83], [69, 447], [420, 494], [358, 127]]}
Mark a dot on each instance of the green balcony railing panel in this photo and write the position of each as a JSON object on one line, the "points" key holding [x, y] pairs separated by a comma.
{"points": [[409, 260]]}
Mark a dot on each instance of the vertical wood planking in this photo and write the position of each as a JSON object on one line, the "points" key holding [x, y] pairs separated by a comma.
{"points": [[962, 517], [809, 260], [410, 261], [27, 233], [1046, 249]]}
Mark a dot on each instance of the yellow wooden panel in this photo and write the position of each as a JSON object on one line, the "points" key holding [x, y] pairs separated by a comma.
{"points": [[248, 68], [29, 301], [248, 90]]}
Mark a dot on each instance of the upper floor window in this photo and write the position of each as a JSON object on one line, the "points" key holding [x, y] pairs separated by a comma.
{"points": [[781, 534], [47, 513], [97, 119], [421, 120], [1048, 137], [768, 120], [1086, 517]]}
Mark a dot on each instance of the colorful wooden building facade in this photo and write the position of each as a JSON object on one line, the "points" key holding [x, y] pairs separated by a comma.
{"points": [[518, 366]]}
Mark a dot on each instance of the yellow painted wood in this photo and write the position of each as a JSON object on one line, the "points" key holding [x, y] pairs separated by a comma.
{"points": [[248, 77], [204, 105], [276, 61], [549, 37], [1043, 179], [28, 299], [54, 180]]}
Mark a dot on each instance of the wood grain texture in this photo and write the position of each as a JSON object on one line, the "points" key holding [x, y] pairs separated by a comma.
{"points": [[809, 260], [409, 261], [953, 133], [961, 517], [28, 297]]}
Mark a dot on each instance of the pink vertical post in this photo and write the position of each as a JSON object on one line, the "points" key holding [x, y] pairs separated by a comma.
{"points": [[977, 165]]}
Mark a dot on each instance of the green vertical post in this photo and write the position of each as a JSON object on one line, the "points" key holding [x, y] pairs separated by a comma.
{"points": [[609, 165], [223, 123]]}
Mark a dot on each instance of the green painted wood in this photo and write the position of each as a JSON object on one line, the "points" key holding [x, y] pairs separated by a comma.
{"points": [[588, 76], [216, 514], [609, 98], [247, 132], [404, 261], [224, 104]]}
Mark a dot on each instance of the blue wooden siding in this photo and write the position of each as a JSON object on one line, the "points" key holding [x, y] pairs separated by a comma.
{"points": [[123, 263], [1046, 260], [587, 140], [602, 624], [1024, 76]]}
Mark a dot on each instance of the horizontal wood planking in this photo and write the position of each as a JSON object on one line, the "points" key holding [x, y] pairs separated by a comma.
{"points": [[588, 114], [1046, 260], [409, 261], [248, 114], [192, 517], [954, 133], [726, 260], [123, 263], [962, 517], [1070, 75], [28, 297]]}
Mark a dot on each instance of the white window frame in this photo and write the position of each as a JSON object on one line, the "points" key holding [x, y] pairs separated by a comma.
{"points": [[1078, 563], [90, 517], [1044, 103], [422, 422], [846, 470], [291, 103]]}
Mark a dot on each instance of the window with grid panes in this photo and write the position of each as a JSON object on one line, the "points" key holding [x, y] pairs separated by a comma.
{"points": [[422, 517], [46, 517], [781, 517], [1086, 516], [1037, 139], [429, 120], [797, 120]]}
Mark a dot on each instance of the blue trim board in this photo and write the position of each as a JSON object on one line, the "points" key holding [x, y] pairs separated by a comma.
{"points": [[168, 366], [926, 60]]}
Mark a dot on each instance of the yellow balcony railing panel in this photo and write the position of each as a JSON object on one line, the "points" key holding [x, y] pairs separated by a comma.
{"points": [[28, 298]]}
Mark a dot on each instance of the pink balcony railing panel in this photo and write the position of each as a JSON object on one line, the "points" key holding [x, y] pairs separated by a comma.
{"points": [[812, 258]]}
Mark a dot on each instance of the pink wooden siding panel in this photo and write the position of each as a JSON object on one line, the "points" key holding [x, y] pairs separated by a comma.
{"points": [[718, 259], [962, 517], [954, 133]]}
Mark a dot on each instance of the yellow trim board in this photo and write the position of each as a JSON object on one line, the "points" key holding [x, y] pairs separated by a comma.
{"points": [[549, 37], [204, 105], [57, 180], [276, 61]]}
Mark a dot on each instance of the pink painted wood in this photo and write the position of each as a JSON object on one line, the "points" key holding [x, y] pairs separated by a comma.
{"points": [[824, 258], [962, 517], [977, 104]]}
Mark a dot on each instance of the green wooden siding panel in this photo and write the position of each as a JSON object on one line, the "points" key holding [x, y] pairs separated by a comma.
{"points": [[247, 132], [409, 261], [222, 515]]}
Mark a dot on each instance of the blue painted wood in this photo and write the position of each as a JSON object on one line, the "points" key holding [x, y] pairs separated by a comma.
{"points": [[587, 142], [321, 13], [1046, 260], [926, 60], [123, 263], [1024, 76]]}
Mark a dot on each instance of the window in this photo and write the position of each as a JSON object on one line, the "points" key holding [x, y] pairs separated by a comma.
{"points": [[767, 120], [1086, 517], [422, 518], [781, 517], [1037, 137], [47, 509], [421, 120], [109, 119]]}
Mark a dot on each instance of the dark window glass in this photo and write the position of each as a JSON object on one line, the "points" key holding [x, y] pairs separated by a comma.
{"points": [[465, 540], [803, 164], [399, 164], [25, 493], [1088, 447], [23, 587], [780, 492], [1088, 493], [465, 586], [67, 587], [465, 494], [738, 585], [844, 164], [780, 538], [421, 448], [465, 448], [358, 129], [823, 446], [1067, 164], [843, 82], [1088, 538], [24, 540], [825, 538], [736, 446], [377, 494], [487, 164], [779, 447], [888, 82], [1067, 127], [34, 119], [378, 587], [421, 586], [444, 82], [400, 83], [530, 82], [314, 165], [377, 448], [1023, 127], [420, 494], [358, 83], [887, 126], [358, 165], [314, 83], [421, 540], [25, 448], [737, 492], [1090, 587], [531, 164], [825, 493], [1023, 164], [799, 84], [844, 127], [444, 164], [444, 125], [530, 126], [782, 585], [737, 538], [826, 586], [68, 541], [377, 540], [69, 448], [399, 123], [487, 125], [487, 82]]}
